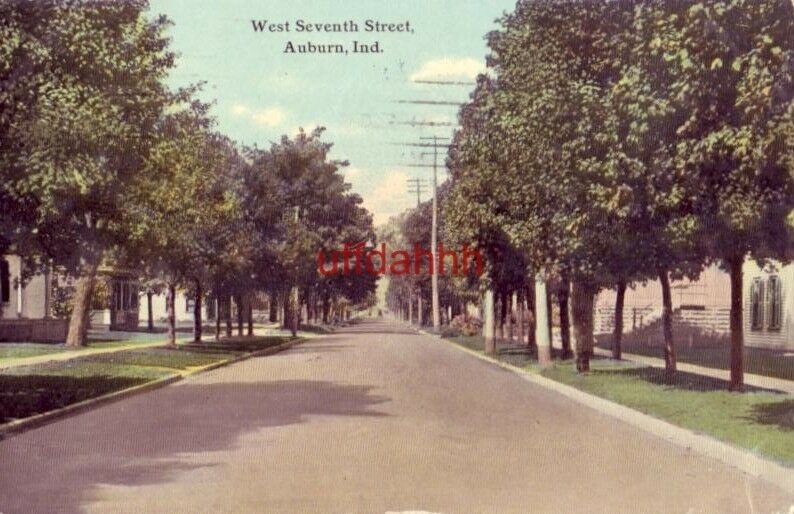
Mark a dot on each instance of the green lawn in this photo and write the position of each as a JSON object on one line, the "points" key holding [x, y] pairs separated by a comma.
{"points": [[236, 344], [11, 351], [178, 359], [29, 390], [759, 420]]}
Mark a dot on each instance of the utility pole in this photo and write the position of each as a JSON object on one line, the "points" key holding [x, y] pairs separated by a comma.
{"points": [[435, 143], [294, 294], [434, 233], [418, 186]]}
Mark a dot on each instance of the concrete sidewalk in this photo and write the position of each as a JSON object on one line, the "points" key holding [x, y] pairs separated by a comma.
{"points": [[762, 381], [779, 384], [68, 354], [65, 355]]}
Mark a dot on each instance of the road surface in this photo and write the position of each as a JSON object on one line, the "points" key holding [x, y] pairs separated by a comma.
{"points": [[374, 419]]}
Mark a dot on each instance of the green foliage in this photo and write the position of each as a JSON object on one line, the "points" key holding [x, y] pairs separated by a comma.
{"points": [[653, 138], [62, 293]]}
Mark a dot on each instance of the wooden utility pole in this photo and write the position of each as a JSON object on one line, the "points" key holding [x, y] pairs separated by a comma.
{"points": [[433, 142], [434, 234]]}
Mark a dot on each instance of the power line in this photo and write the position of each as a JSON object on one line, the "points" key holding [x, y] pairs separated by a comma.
{"points": [[429, 102], [444, 82], [418, 186], [424, 145], [424, 123]]}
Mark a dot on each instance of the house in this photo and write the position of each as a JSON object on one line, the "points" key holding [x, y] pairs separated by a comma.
{"points": [[701, 308], [183, 308], [26, 304], [769, 305]]}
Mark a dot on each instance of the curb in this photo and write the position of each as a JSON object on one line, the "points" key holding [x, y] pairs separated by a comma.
{"points": [[21, 425], [259, 353], [735, 457]]}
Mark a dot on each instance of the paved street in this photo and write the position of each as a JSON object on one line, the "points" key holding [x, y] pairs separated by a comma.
{"points": [[370, 420]]}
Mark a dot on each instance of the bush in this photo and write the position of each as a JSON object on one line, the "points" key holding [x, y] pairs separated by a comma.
{"points": [[466, 325]]}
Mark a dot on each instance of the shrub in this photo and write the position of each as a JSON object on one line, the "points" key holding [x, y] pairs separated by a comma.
{"points": [[466, 325]]}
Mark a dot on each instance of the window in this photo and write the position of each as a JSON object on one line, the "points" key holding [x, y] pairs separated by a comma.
{"points": [[757, 304], [5, 282], [774, 303]]}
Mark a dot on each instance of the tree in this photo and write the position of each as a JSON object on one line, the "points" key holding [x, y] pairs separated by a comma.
{"points": [[75, 128], [737, 138], [187, 214]]}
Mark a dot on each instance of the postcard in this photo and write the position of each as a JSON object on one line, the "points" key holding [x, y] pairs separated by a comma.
{"points": [[421, 256]]}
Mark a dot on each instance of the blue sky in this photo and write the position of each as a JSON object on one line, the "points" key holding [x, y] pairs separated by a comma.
{"points": [[261, 92]]}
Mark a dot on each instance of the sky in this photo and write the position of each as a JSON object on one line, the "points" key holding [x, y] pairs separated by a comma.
{"points": [[260, 92]]}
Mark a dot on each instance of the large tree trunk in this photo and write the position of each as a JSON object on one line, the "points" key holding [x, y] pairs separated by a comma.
{"points": [[488, 326], [295, 308], [170, 299], [542, 326], [532, 314], [617, 332], [520, 315], [326, 307], [81, 310], [500, 334], [149, 314], [582, 299], [238, 301], [667, 323], [197, 320], [250, 316], [737, 336], [565, 323], [509, 320]]}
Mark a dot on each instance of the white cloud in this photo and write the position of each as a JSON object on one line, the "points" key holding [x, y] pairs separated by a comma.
{"points": [[389, 197], [268, 117], [449, 68], [271, 117], [240, 110]]}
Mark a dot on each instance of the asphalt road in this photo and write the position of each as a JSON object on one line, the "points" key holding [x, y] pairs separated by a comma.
{"points": [[371, 420]]}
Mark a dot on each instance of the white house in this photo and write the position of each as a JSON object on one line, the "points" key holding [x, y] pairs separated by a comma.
{"points": [[769, 305], [704, 304], [25, 306]]}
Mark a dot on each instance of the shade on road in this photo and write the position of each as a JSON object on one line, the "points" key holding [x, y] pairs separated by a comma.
{"points": [[374, 419]]}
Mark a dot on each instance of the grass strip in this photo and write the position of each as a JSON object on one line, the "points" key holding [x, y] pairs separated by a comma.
{"points": [[759, 420]]}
